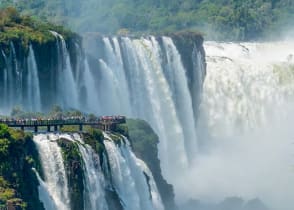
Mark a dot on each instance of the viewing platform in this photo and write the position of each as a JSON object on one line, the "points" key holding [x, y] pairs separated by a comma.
{"points": [[105, 123]]}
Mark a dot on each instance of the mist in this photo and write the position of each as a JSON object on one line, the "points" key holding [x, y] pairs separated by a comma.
{"points": [[245, 128]]}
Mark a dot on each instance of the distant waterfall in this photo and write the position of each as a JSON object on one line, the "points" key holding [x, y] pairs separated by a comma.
{"points": [[17, 75], [20, 82], [11, 82], [67, 87], [5, 82], [130, 177], [33, 95], [245, 125]]}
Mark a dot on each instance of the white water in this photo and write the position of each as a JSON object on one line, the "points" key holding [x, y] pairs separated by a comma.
{"points": [[145, 189], [44, 195], [245, 125], [33, 89], [11, 81], [22, 84], [94, 179], [138, 78], [91, 89], [155, 89], [129, 179], [181, 94], [115, 64], [53, 167], [5, 82], [127, 176], [67, 87], [18, 74]]}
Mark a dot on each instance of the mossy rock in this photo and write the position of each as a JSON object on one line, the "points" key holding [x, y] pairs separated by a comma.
{"points": [[75, 172]]}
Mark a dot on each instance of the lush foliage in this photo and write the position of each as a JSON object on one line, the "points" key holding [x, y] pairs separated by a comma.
{"points": [[75, 172], [223, 19], [18, 183], [14, 26], [94, 137]]}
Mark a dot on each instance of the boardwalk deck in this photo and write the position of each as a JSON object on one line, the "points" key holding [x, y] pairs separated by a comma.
{"points": [[105, 123]]}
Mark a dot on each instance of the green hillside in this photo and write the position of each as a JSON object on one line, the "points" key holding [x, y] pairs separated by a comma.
{"points": [[219, 19]]}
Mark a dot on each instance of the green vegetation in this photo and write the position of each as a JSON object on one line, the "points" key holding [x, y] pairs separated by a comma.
{"points": [[220, 19], [18, 182], [75, 172], [15, 27], [94, 137]]}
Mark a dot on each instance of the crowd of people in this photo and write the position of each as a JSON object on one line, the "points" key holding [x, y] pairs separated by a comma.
{"points": [[61, 119]]}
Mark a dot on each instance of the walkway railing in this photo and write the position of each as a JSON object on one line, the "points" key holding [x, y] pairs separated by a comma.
{"points": [[104, 122]]}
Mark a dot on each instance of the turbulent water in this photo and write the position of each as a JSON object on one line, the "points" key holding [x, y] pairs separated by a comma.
{"points": [[145, 78], [245, 126], [56, 183], [238, 143], [141, 78], [129, 177]]}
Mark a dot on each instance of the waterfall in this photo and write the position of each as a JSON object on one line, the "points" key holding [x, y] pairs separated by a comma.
{"points": [[5, 81], [115, 64], [17, 95], [67, 87], [148, 75], [54, 171], [94, 179], [129, 180], [91, 90], [44, 195], [128, 176], [144, 78], [178, 82], [33, 89], [245, 125], [150, 189]]}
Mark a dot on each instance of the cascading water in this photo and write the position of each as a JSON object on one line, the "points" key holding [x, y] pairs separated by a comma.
{"points": [[94, 178], [33, 94], [10, 78], [18, 75], [145, 185], [36, 83], [54, 171], [115, 64], [67, 87], [20, 85], [177, 79], [130, 177], [246, 139], [143, 78], [133, 187], [148, 75], [5, 82]]}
